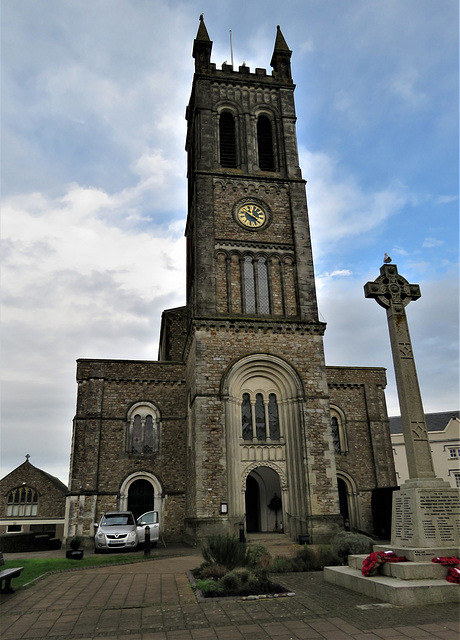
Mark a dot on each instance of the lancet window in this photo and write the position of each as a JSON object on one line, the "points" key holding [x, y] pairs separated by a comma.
{"points": [[227, 137], [256, 286], [259, 417], [339, 435], [22, 501], [265, 144]]}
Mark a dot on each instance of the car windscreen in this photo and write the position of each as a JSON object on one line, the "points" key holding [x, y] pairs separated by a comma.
{"points": [[117, 519]]}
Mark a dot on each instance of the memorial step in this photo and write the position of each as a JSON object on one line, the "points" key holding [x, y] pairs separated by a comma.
{"points": [[404, 570], [404, 593]]}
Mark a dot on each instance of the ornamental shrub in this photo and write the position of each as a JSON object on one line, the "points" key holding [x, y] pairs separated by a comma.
{"points": [[259, 559], [226, 550], [215, 571], [282, 564], [347, 543]]}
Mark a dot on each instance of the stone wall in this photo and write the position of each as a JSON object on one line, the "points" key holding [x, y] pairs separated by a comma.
{"points": [[51, 496], [101, 461]]}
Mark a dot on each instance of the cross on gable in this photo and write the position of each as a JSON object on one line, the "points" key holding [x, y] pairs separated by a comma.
{"points": [[391, 290]]}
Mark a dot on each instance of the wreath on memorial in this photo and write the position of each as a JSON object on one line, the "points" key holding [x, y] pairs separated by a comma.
{"points": [[453, 575], [373, 561], [450, 561]]}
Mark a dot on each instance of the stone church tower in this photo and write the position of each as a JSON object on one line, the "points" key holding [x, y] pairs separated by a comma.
{"points": [[240, 410]]}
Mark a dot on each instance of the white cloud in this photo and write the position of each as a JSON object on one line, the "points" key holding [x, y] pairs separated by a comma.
{"points": [[429, 243], [76, 285], [446, 199], [340, 208]]}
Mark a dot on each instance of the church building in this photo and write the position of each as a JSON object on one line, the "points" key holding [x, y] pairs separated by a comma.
{"points": [[240, 414]]}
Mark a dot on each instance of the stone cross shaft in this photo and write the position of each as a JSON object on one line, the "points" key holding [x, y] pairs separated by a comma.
{"points": [[394, 293]]}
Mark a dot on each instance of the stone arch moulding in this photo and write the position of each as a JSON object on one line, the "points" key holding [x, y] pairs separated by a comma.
{"points": [[141, 475], [256, 465], [278, 370]]}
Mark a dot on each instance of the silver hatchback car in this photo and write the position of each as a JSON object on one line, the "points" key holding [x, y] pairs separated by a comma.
{"points": [[116, 530], [149, 519]]}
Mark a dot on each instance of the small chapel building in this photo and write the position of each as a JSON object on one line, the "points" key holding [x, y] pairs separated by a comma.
{"points": [[240, 407]]}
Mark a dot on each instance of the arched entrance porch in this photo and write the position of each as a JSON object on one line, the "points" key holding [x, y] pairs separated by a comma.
{"points": [[141, 492], [263, 488]]}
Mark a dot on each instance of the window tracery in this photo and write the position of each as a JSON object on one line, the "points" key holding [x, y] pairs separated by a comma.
{"points": [[143, 430], [22, 501], [259, 417]]}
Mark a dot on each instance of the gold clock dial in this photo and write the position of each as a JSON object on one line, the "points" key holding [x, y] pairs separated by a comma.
{"points": [[252, 215]]}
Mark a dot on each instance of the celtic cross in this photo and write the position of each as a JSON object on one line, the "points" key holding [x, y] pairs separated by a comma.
{"points": [[394, 293]]}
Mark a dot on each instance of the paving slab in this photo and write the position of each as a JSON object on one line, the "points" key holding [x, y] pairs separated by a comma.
{"points": [[153, 600]]}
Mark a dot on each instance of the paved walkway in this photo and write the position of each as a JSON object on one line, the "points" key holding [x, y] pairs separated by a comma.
{"points": [[152, 600]]}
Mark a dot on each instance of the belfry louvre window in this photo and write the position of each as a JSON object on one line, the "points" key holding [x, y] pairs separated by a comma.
{"points": [[265, 144], [227, 137], [259, 417], [22, 502]]}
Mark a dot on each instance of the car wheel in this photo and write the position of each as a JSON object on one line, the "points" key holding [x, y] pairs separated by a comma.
{"points": [[154, 544]]}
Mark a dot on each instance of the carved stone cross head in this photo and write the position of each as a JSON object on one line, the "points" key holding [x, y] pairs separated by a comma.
{"points": [[391, 290]]}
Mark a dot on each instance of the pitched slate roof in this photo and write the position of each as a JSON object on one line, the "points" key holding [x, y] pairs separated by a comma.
{"points": [[434, 421]]}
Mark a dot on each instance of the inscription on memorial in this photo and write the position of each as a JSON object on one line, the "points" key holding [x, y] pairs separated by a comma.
{"points": [[426, 518]]}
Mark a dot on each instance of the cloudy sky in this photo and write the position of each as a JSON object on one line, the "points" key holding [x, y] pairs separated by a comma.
{"points": [[94, 189]]}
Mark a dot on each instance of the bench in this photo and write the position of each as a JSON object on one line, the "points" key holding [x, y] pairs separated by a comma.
{"points": [[7, 575]]}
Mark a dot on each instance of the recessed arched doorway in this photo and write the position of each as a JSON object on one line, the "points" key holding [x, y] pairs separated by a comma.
{"points": [[348, 499], [141, 497], [263, 488], [343, 500]]}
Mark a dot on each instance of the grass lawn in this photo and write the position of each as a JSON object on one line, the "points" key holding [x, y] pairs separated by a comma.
{"points": [[36, 567]]}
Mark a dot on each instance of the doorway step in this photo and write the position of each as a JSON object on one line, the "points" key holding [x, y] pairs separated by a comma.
{"points": [[278, 544]]}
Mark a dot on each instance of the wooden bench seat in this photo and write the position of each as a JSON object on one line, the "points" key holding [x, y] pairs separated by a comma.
{"points": [[7, 575]]}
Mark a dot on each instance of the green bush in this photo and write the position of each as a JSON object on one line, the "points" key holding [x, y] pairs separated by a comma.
{"points": [[347, 543], [328, 557], [282, 564], [229, 582], [306, 559], [259, 559], [226, 550], [206, 586], [215, 571]]}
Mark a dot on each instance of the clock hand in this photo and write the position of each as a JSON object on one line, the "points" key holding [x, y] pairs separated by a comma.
{"points": [[252, 215]]}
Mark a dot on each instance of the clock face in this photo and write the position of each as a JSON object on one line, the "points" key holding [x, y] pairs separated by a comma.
{"points": [[251, 216]]}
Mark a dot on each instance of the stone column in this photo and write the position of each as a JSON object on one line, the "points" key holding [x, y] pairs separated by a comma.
{"points": [[426, 509]]}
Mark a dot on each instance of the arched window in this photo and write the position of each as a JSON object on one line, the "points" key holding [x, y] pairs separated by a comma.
{"points": [[265, 144], [249, 287], [273, 417], [336, 434], [246, 417], [227, 138], [256, 286], [262, 280], [143, 430], [261, 427], [22, 501], [263, 411], [339, 434]]}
